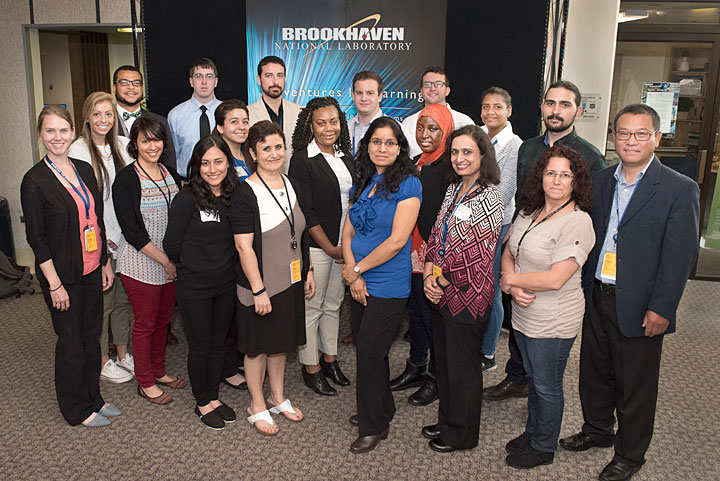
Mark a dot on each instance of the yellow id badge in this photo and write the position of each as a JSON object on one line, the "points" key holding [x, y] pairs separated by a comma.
{"points": [[295, 272], [90, 239], [437, 270], [608, 267]]}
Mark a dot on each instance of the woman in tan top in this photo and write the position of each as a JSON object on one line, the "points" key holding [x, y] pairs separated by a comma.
{"points": [[549, 242]]}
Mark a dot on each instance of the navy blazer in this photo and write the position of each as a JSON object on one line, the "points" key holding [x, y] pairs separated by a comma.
{"points": [[657, 244]]}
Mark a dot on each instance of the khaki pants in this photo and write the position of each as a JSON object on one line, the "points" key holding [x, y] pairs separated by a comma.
{"points": [[117, 313]]}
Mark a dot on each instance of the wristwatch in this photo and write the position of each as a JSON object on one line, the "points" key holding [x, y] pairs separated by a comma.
{"points": [[356, 269]]}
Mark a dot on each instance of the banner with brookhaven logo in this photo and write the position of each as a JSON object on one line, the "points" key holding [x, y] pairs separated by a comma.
{"points": [[326, 42]]}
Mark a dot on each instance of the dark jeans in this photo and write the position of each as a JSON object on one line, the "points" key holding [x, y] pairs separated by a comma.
{"points": [[618, 376], [459, 379], [515, 368], [207, 321], [375, 326], [77, 351], [545, 362], [421, 336]]}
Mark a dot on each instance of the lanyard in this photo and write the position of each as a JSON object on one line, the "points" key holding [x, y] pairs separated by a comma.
{"points": [[617, 209], [167, 200], [443, 237], [86, 197], [291, 218], [533, 225]]}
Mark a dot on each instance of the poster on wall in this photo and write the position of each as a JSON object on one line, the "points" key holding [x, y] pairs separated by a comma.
{"points": [[664, 98], [325, 45]]}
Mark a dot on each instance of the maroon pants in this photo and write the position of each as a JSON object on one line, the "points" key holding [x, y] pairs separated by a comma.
{"points": [[153, 308]]}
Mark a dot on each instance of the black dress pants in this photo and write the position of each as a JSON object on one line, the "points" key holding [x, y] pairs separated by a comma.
{"points": [[233, 357], [458, 370], [618, 375], [375, 326], [77, 352], [207, 320]]}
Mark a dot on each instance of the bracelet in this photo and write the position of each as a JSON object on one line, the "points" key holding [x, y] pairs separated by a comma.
{"points": [[426, 277], [437, 280], [255, 294], [58, 287], [311, 269]]}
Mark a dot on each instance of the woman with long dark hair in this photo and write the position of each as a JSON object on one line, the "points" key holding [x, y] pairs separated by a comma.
{"points": [[199, 241], [385, 201], [541, 268], [322, 165]]}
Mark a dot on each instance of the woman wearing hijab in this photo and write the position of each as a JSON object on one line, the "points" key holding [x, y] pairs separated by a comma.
{"points": [[434, 125]]}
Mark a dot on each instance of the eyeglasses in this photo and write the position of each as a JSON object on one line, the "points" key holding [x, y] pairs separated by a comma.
{"points": [[209, 76], [127, 83], [551, 174], [438, 84], [641, 136], [390, 143]]}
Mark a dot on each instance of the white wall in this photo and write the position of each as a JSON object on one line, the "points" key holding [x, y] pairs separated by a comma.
{"points": [[120, 51], [590, 58]]}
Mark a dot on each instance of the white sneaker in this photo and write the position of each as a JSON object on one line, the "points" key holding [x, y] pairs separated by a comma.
{"points": [[127, 363], [112, 373]]}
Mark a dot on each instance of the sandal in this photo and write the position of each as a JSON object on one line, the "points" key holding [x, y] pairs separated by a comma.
{"points": [[164, 398], [176, 383], [284, 408], [262, 416]]}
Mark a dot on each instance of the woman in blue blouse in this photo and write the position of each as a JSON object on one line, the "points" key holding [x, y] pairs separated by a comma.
{"points": [[385, 201], [232, 122]]}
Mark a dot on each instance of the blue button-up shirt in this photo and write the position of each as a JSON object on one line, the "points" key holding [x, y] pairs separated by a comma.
{"points": [[358, 131], [621, 198], [184, 121]]}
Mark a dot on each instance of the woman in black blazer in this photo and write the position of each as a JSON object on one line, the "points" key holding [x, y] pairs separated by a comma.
{"points": [[323, 168], [63, 212]]}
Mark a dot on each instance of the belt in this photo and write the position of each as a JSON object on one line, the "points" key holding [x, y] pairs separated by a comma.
{"points": [[605, 288]]}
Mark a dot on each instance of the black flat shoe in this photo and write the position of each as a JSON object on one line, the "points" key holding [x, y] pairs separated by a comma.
{"points": [[318, 383], [618, 471], [427, 394], [431, 432], [519, 444], [582, 442], [412, 376], [363, 444], [332, 371], [354, 420], [439, 446], [213, 420], [241, 387], [226, 412], [529, 458]]}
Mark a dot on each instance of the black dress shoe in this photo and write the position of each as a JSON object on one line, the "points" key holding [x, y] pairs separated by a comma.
{"points": [[431, 432], [226, 412], [439, 446], [426, 394], [504, 390], [363, 444], [581, 442], [412, 376], [529, 458], [332, 371], [242, 386], [213, 420], [354, 420], [318, 383], [519, 444], [618, 471]]}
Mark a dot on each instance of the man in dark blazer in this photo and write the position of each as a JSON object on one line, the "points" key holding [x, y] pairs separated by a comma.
{"points": [[645, 217], [128, 90]]}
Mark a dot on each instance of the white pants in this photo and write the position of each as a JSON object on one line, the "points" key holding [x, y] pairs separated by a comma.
{"points": [[322, 311]]}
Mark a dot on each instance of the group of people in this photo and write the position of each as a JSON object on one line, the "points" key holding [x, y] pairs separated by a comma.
{"points": [[256, 219]]}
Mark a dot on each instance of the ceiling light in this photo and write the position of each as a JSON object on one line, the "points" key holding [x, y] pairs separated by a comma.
{"points": [[630, 15]]}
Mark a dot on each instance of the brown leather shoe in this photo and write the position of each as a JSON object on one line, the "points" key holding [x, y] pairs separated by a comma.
{"points": [[349, 339], [363, 444], [504, 390]]}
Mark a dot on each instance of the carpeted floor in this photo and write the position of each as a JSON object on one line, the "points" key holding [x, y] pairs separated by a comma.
{"points": [[169, 442]]}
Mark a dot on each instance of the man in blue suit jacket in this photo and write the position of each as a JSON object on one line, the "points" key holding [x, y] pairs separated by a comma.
{"points": [[645, 217]]}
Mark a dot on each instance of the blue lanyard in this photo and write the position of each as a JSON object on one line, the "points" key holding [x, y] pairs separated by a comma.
{"points": [[443, 238], [617, 209], [85, 198]]}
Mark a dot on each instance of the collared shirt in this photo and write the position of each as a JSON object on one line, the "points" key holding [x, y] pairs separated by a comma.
{"points": [[506, 144], [342, 173], [274, 117], [621, 198], [127, 123], [358, 130], [409, 125], [184, 121]]}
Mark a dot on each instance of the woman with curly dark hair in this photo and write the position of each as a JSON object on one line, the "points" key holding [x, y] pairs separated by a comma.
{"points": [[385, 201], [323, 168], [199, 240], [541, 267]]}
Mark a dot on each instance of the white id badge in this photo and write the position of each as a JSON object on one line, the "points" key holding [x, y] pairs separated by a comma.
{"points": [[463, 212], [209, 216]]}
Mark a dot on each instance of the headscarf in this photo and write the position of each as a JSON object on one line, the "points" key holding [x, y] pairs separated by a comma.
{"points": [[443, 117]]}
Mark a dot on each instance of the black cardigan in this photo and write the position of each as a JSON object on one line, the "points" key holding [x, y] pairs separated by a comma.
{"points": [[320, 189], [126, 194], [51, 220], [435, 179], [241, 217]]}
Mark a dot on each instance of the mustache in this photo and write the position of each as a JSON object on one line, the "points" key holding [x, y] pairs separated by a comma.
{"points": [[555, 117]]}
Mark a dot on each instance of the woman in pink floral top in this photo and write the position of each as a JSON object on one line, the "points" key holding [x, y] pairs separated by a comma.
{"points": [[458, 279]]}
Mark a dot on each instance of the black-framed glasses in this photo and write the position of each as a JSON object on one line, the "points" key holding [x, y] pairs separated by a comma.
{"points": [[437, 84], [127, 83], [641, 136]]}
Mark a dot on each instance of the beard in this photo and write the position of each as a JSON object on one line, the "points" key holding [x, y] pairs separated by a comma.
{"points": [[273, 94], [564, 124], [122, 100]]}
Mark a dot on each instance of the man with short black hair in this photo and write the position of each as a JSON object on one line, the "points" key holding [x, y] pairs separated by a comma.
{"points": [[434, 87], [367, 91], [128, 89], [195, 118], [272, 106]]}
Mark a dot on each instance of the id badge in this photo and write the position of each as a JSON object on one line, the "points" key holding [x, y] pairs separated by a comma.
{"points": [[437, 271], [463, 212], [609, 267], [90, 239], [295, 271], [209, 216]]}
